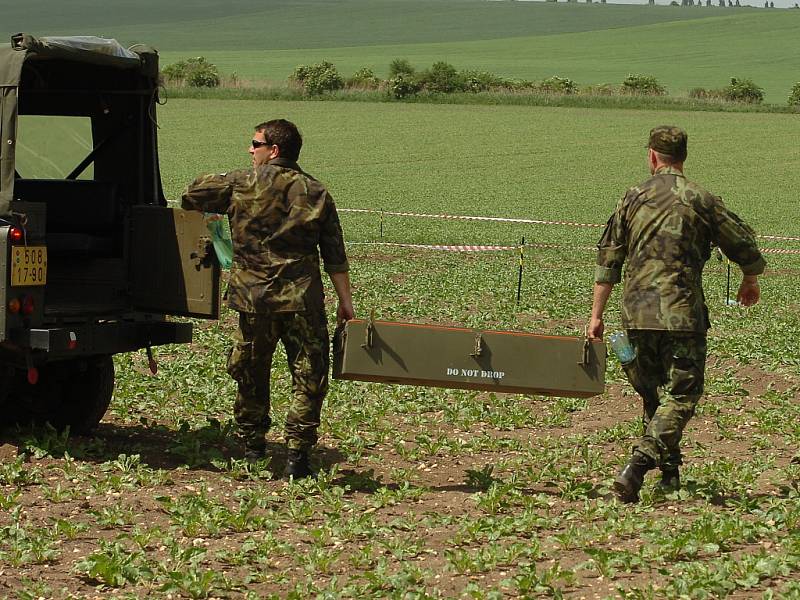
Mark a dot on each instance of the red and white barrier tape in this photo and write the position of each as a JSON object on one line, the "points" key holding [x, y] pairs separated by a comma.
{"points": [[495, 248], [466, 217], [449, 248], [779, 251], [784, 238]]}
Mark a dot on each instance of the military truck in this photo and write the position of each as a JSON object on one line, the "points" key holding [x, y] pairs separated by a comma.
{"points": [[93, 261]]}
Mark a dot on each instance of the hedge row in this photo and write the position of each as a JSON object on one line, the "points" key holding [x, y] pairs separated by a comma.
{"points": [[404, 81]]}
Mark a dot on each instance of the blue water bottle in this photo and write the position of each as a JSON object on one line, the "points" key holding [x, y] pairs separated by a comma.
{"points": [[621, 346]]}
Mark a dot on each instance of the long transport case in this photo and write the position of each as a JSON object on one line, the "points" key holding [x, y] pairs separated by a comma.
{"points": [[451, 357]]}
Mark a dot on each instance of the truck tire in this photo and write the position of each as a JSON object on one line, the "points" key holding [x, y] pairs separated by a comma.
{"points": [[86, 396], [74, 394]]}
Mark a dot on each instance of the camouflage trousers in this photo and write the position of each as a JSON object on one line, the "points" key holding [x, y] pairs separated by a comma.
{"points": [[668, 373], [305, 338]]}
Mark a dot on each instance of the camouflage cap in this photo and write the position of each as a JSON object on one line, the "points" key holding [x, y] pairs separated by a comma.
{"points": [[669, 140]]}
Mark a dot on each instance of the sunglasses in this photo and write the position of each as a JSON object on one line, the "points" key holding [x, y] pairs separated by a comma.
{"points": [[259, 143]]}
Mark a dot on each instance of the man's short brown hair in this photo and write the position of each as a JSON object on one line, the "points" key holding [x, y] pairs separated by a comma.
{"points": [[283, 134]]}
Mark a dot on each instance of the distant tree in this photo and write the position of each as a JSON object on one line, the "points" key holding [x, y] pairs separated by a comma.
{"points": [[652, 2], [643, 85], [319, 78], [772, 5], [708, 2], [442, 78], [722, 3], [400, 66], [730, 3], [195, 72], [794, 95], [737, 3], [743, 90], [402, 86], [766, 4]]}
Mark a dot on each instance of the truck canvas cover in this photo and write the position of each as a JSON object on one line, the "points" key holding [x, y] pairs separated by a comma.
{"points": [[69, 50], [451, 357]]}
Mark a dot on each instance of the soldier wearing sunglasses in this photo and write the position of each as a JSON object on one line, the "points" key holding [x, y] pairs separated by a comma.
{"points": [[282, 220]]}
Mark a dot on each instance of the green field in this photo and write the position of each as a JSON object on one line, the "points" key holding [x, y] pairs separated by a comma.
{"points": [[533, 162], [683, 48], [427, 493]]}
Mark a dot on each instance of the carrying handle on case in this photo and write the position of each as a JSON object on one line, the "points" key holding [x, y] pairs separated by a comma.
{"points": [[478, 347], [585, 354], [369, 330]]}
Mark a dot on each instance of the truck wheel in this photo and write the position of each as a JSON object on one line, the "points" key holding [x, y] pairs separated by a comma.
{"points": [[85, 396], [70, 393]]}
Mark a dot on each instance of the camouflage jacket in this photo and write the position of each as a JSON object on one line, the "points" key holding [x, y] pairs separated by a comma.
{"points": [[282, 220], [663, 231]]}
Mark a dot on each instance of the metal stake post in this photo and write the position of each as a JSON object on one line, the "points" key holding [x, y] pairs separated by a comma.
{"points": [[728, 287], [521, 266]]}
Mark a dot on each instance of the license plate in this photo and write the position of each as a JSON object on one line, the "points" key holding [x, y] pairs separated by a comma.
{"points": [[28, 265]]}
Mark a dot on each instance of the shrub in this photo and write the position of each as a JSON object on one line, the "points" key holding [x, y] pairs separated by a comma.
{"points": [[794, 95], [481, 81], [364, 78], [196, 72], [402, 86], [316, 79], [442, 78], [400, 66], [519, 85], [558, 85], [743, 90], [643, 85]]}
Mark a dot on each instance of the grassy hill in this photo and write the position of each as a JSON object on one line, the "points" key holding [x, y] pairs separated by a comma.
{"points": [[683, 47], [683, 54], [257, 25]]}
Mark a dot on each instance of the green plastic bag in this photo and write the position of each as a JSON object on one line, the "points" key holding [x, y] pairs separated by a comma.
{"points": [[221, 238]]}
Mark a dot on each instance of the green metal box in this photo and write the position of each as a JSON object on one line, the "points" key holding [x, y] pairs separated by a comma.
{"points": [[452, 357]]}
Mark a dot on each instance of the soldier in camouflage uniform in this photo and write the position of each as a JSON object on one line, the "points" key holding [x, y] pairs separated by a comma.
{"points": [[282, 220], [663, 230]]}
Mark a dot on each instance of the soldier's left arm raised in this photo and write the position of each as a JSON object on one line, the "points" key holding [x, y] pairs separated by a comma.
{"points": [[209, 193]]}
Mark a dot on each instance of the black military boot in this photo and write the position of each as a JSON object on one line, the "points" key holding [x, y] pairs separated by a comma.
{"points": [[670, 480], [629, 481], [297, 464], [255, 448]]}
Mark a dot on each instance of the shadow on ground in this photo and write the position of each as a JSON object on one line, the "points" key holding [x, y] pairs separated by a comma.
{"points": [[158, 446]]}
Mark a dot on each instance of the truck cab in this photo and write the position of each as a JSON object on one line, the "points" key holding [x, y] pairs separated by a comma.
{"points": [[93, 261]]}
